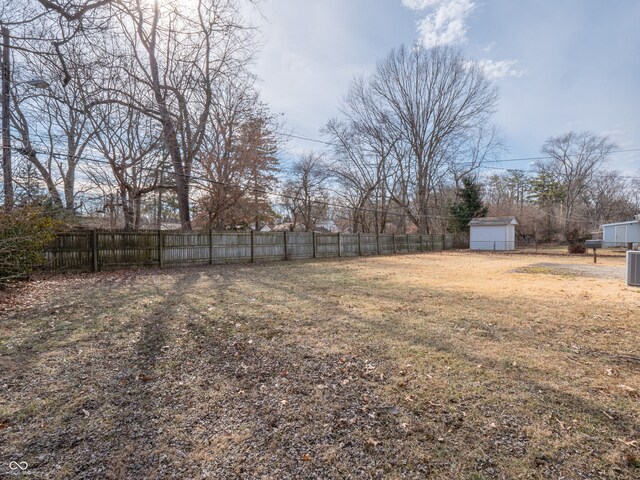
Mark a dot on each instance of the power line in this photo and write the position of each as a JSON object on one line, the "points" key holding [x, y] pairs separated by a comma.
{"points": [[265, 191], [481, 166], [522, 159], [226, 184]]}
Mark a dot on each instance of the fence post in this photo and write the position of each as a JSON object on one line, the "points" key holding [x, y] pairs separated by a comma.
{"points": [[421, 246], [408, 251], [253, 247], [315, 244], [286, 246], [394, 243], [378, 243], [444, 242], [359, 245], [211, 246], [339, 245], [94, 249], [160, 246]]}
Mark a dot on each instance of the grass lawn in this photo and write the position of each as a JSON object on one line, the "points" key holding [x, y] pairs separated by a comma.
{"points": [[444, 365]]}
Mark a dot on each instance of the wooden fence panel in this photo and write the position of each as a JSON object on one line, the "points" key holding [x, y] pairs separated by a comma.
{"points": [[327, 245], [401, 244], [117, 249], [386, 243], [269, 246], [229, 247], [413, 242], [300, 245], [184, 248], [349, 243], [95, 250], [368, 244], [70, 251]]}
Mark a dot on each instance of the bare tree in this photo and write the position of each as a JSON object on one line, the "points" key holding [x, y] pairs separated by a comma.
{"points": [[363, 146], [74, 10], [608, 197], [574, 160], [175, 56], [51, 127], [306, 191], [239, 164], [433, 107], [360, 169], [132, 147]]}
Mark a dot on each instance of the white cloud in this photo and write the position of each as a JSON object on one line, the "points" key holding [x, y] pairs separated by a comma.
{"points": [[420, 4], [488, 47], [495, 69], [446, 23]]}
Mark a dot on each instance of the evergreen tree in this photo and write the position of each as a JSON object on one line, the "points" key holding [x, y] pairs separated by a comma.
{"points": [[468, 205], [546, 192]]}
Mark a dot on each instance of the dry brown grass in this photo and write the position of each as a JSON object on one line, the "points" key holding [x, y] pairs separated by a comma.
{"points": [[450, 365]]}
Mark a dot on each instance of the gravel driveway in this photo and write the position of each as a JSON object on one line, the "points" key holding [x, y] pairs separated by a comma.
{"points": [[592, 271]]}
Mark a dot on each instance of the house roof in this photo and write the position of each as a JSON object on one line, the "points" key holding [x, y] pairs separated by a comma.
{"points": [[493, 221]]}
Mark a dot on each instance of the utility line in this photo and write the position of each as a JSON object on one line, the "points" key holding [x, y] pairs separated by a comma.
{"points": [[283, 195], [522, 159], [482, 166]]}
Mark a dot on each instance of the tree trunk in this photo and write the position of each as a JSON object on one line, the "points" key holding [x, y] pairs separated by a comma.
{"points": [[127, 210], [170, 135], [69, 186], [137, 207]]}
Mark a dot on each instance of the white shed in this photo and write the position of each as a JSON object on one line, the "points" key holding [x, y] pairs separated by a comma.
{"points": [[493, 233], [621, 234]]}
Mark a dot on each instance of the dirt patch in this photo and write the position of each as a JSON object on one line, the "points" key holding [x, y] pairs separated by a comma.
{"points": [[419, 366], [616, 272]]}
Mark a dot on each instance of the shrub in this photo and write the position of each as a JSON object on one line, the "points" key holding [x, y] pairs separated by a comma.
{"points": [[23, 235], [576, 248], [577, 236]]}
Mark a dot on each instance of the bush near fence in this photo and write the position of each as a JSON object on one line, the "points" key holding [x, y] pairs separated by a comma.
{"points": [[97, 250]]}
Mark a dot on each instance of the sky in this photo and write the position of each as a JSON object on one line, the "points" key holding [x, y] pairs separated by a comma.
{"points": [[560, 65]]}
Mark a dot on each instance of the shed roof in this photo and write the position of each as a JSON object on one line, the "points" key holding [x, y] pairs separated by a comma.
{"points": [[628, 222], [493, 221]]}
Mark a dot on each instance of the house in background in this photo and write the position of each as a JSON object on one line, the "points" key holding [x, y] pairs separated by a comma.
{"points": [[327, 226], [493, 233], [621, 234]]}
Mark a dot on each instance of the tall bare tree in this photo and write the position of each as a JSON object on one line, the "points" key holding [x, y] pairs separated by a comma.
{"points": [[363, 146], [175, 56], [51, 127], [239, 162], [432, 107], [131, 145], [306, 191], [608, 198], [575, 158]]}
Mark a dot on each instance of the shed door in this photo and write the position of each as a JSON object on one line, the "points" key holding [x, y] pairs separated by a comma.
{"points": [[621, 236]]}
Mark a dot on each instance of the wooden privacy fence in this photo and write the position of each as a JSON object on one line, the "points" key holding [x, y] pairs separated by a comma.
{"points": [[96, 250]]}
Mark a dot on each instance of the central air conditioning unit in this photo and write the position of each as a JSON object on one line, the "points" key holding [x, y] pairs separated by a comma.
{"points": [[633, 269]]}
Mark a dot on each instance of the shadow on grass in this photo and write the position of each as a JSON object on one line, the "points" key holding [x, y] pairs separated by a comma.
{"points": [[142, 422]]}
